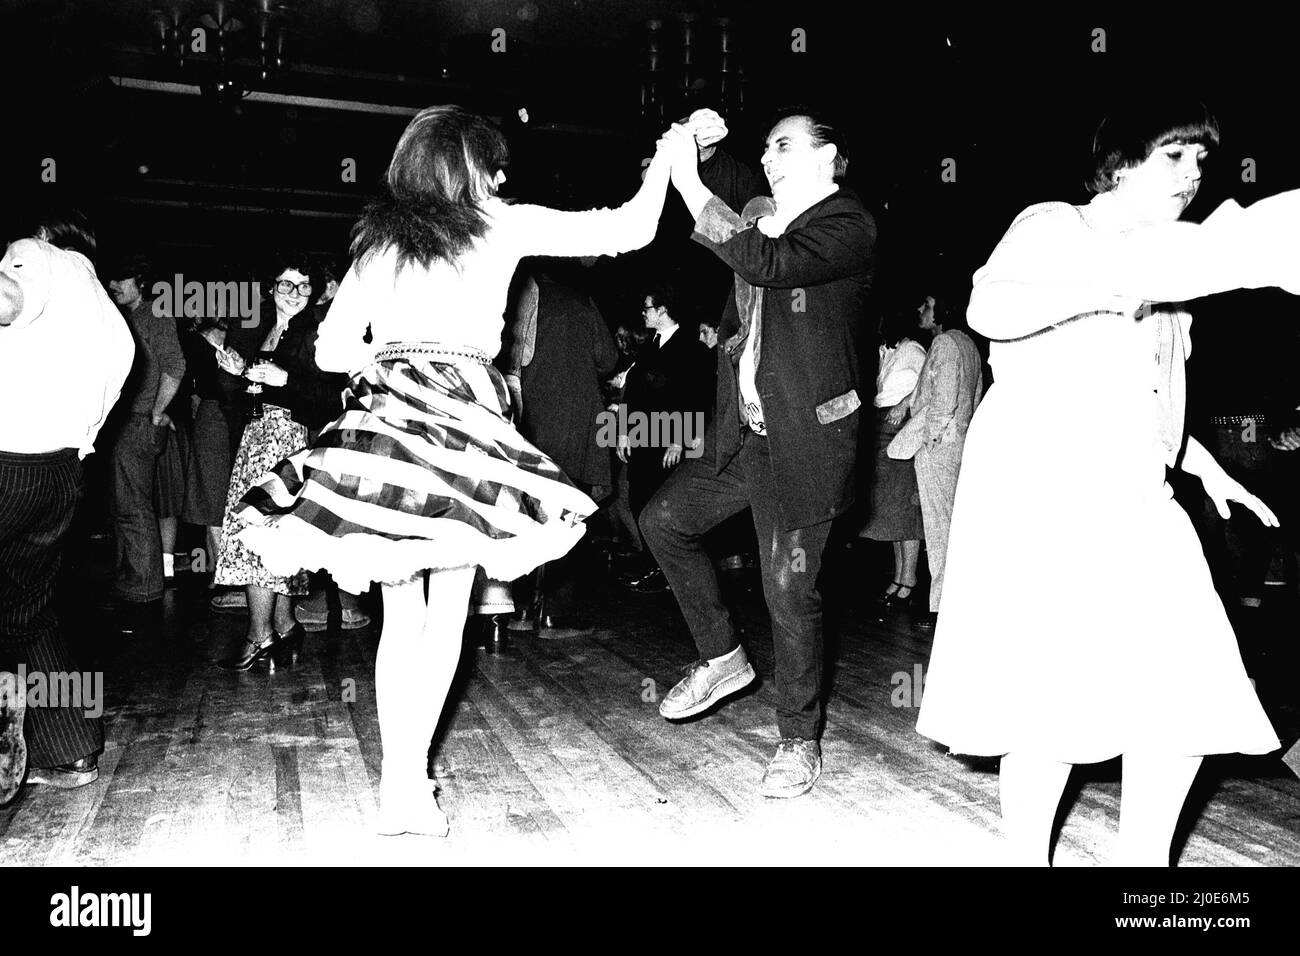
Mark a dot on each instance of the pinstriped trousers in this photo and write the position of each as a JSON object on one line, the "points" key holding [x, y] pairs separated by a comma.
{"points": [[38, 496]]}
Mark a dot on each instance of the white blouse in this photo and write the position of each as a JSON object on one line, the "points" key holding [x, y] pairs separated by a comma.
{"points": [[65, 358], [462, 303], [1058, 261], [1085, 314], [899, 371]]}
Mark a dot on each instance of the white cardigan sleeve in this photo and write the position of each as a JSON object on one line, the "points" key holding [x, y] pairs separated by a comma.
{"points": [[539, 231], [1051, 266]]}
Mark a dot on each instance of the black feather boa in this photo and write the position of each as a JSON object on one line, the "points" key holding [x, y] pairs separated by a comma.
{"points": [[422, 232]]}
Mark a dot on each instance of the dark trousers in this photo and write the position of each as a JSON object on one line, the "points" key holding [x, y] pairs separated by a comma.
{"points": [[645, 474], [693, 501], [38, 495], [135, 522]]}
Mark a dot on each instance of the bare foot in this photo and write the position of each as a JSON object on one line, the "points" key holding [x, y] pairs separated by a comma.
{"points": [[410, 807]]}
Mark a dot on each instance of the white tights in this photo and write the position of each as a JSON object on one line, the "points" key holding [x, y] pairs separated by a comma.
{"points": [[1153, 790], [419, 651]]}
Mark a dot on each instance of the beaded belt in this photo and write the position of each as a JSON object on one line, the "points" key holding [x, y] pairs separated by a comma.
{"points": [[1232, 421], [431, 351]]}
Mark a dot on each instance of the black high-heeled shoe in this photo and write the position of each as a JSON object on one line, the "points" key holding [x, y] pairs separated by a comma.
{"points": [[247, 654], [492, 632], [894, 602], [288, 644]]}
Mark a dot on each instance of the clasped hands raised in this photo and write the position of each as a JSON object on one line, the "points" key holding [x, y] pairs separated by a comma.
{"points": [[683, 144]]}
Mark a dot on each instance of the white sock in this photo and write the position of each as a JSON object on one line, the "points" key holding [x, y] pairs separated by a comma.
{"points": [[169, 564], [738, 649]]}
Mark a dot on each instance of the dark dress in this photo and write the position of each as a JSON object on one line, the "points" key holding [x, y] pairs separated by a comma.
{"points": [[895, 501], [214, 434], [572, 353]]}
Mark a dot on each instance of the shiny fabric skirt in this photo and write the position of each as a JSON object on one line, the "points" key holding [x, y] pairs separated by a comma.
{"points": [[422, 471]]}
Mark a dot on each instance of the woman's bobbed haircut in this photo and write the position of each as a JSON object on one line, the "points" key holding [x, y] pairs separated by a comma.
{"points": [[1133, 131], [443, 168]]}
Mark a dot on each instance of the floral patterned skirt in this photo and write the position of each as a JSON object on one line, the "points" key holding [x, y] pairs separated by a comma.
{"points": [[267, 441]]}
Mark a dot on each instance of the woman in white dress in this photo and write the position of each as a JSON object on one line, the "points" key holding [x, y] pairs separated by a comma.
{"points": [[423, 479], [1079, 621]]}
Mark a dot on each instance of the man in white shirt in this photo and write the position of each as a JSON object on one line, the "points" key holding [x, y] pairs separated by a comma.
{"points": [[64, 355]]}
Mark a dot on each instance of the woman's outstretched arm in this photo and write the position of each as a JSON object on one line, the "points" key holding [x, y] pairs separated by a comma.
{"points": [[1051, 266], [540, 231]]}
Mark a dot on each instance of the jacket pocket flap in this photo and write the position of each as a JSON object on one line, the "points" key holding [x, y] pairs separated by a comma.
{"points": [[838, 407]]}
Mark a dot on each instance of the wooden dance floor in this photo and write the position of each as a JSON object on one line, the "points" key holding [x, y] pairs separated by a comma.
{"points": [[555, 752]]}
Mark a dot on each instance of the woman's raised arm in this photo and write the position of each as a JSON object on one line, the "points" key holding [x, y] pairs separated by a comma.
{"points": [[1052, 266], [540, 231]]}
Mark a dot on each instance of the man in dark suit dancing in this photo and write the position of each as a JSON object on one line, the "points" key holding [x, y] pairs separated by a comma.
{"points": [[669, 379], [784, 435]]}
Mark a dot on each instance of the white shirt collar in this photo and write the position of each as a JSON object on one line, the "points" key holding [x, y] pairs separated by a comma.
{"points": [[799, 205]]}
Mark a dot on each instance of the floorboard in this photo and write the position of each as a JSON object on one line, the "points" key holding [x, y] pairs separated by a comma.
{"points": [[555, 752]]}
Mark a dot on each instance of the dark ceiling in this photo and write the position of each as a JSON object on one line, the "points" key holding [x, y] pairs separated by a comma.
{"points": [[159, 155]]}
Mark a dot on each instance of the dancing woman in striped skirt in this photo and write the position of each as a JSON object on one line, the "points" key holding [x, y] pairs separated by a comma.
{"points": [[423, 479]]}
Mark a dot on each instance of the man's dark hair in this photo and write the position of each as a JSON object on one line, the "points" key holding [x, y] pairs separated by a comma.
{"points": [[822, 129], [69, 229], [328, 270], [129, 266], [664, 296]]}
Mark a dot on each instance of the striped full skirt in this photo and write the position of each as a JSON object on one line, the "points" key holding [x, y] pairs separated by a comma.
{"points": [[423, 470]]}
